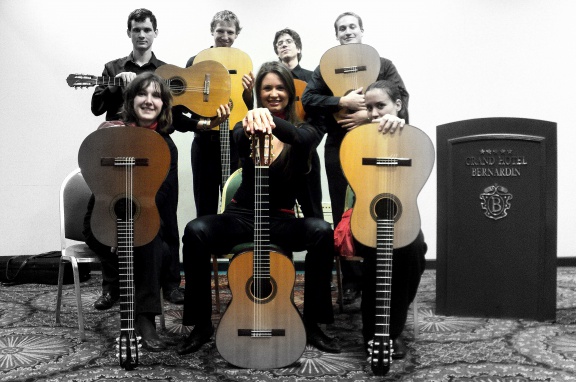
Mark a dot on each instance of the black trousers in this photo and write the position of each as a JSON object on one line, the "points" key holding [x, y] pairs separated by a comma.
{"points": [[207, 170], [408, 264], [219, 233]]}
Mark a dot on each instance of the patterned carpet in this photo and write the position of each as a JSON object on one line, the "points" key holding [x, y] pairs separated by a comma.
{"points": [[460, 349]]}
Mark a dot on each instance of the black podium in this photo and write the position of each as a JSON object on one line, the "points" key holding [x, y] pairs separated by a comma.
{"points": [[497, 218]]}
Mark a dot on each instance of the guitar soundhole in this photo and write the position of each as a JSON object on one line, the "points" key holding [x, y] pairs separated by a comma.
{"points": [[386, 206], [261, 290], [177, 85], [125, 208]]}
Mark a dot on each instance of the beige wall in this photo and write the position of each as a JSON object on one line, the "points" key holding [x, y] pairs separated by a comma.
{"points": [[460, 59]]}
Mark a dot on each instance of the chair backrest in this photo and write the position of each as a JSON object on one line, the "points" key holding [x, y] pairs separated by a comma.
{"points": [[74, 197], [230, 188], [350, 198]]}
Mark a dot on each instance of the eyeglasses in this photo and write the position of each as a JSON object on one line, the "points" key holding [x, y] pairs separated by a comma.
{"points": [[282, 42]]}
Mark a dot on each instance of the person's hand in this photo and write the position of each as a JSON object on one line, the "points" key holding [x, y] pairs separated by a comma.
{"points": [[223, 112], [258, 120], [353, 100], [349, 121], [126, 77], [389, 123], [248, 85]]}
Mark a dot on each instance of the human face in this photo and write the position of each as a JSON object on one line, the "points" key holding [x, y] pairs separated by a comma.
{"points": [[148, 104], [286, 48], [378, 104], [348, 30], [142, 34], [224, 34], [273, 93]]}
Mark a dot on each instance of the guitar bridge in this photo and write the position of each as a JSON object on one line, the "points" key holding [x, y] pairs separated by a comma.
{"points": [[264, 333], [405, 162]]}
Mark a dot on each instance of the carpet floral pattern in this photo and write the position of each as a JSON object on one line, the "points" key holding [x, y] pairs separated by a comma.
{"points": [[463, 349]]}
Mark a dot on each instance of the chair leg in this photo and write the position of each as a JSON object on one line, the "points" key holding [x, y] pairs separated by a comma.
{"points": [[339, 284], [415, 313], [59, 295], [216, 282], [78, 297]]}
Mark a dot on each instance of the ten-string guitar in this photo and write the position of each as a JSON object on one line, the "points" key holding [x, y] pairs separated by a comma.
{"points": [[261, 328], [386, 173], [124, 167], [201, 88]]}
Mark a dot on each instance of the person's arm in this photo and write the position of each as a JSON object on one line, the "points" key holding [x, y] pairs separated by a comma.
{"points": [[184, 120], [105, 97]]}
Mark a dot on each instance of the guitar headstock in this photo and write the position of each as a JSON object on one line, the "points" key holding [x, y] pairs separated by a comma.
{"points": [[128, 344], [81, 80], [380, 358], [262, 149]]}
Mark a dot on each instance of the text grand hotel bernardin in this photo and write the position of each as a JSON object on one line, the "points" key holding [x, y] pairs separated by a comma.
{"points": [[496, 165]]}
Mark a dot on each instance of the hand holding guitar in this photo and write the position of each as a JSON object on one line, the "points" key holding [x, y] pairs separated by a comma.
{"points": [[258, 120], [126, 77], [350, 120], [389, 123], [248, 86]]}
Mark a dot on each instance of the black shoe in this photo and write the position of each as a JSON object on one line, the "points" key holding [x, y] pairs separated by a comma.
{"points": [[399, 348], [316, 337], [350, 295], [146, 328], [198, 337], [106, 301], [175, 296]]}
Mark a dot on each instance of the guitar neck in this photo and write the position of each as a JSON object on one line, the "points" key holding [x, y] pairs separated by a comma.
{"points": [[384, 250], [225, 150], [261, 224]]}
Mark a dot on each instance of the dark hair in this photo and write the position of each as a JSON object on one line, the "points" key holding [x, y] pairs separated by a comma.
{"points": [[348, 14], [225, 16], [295, 36], [288, 81], [142, 81], [140, 15], [395, 92]]}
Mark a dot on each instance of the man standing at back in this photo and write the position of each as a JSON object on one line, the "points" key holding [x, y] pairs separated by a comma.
{"points": [[142, 30], [288, 48]]}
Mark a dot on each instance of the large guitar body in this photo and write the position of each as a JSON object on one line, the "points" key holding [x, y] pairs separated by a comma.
{"points": [[386, 167], [124, 167], [348, 67], [261, 328], [202, 87], [386, 172]]}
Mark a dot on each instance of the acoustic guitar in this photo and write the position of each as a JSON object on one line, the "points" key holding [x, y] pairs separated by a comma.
{"points": [[348, 67], [237, 64], [261, 328], [124, 167], [386, 173], [201, 88]]}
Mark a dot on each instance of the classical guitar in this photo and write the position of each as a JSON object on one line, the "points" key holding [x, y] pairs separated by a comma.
{"points": [[386, 173], [201, 88], [261, 328], [348, 67], [300, 86], [237, 63], [124, 168]]}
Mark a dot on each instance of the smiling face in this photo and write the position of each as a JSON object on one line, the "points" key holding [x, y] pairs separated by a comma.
{"points": [[224, 34], [273, 93], [348, 30], [148, 104], [142, 34], [378, 104]]}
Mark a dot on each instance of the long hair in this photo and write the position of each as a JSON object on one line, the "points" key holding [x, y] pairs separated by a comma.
{"points": [[288, 81], [395, 92], [142, 81]]}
